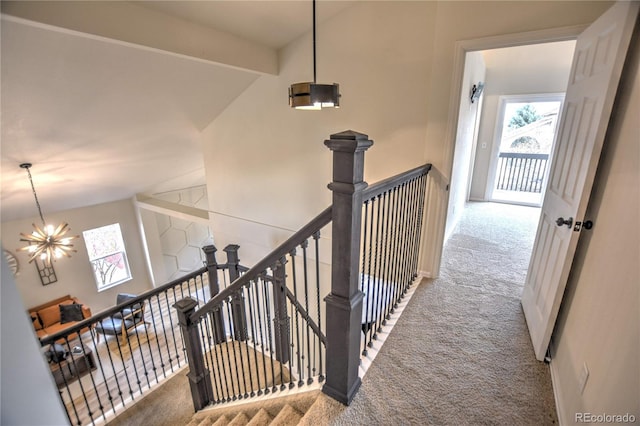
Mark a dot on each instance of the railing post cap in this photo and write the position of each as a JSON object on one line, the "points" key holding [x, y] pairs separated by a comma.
{"points": [[231, 247], [348, 141], [209, 249], [186, 304]]}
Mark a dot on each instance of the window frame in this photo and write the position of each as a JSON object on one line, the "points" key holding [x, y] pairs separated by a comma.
{"points": [[120, 250]]}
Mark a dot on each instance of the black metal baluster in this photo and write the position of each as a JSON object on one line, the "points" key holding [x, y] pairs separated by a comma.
{"points": [[124, 367], [155, 332], [209, 352], [262, 345], [370, 283], [270, 335], [291, 346], [316, 237], [252, 324], [175, 341], [304, 246], [254, 313], [140, 350], [164, 328], [405, 240], [133, 363], [384, 305], [226, 344], [75, 368], [361, 276], [206, 364], [106, 382], [71, 399], [377, 266], [421, 188], [386, 253], [256, 298], [240, 344], [413, 210], [299, 367], [398, 248], [219, 355]]}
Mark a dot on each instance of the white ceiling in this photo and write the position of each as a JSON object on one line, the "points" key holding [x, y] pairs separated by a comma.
{"points": [[103, 120]]}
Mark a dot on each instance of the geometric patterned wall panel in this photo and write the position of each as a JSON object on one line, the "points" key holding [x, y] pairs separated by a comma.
{"points": [[181, 240]]}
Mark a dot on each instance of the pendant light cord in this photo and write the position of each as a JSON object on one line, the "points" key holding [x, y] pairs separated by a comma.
{"points": [[33, 188], [314, 41]]}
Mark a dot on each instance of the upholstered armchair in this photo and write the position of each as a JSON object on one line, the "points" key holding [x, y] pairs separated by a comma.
{"points": [[120, 323]]}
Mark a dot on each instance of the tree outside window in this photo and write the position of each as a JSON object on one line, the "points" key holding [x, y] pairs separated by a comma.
{"points": [[107, 255]]}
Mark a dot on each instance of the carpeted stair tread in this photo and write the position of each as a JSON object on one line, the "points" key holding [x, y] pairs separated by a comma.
{"points": [[262, 418], [207, 421], [287, 416], [323, 410], [222, 421], [195, 421], [240, 420]]}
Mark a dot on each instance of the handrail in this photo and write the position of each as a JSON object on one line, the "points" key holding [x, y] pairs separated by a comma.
{"points": [[283, 249], [118, 308], [393, 181], [533, 156]]}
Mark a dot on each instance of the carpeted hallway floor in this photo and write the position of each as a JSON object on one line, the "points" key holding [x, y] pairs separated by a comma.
{"points": [[459, 355]]}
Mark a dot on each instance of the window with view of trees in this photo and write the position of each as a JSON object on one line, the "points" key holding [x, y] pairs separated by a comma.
{"points": [[107, 255]]}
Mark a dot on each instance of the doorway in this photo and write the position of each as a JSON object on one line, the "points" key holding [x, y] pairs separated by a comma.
{"points": [[530, 78]]}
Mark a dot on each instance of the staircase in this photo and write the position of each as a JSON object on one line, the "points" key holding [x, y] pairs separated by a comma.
{"points": [[296, 409], [305, 315]]}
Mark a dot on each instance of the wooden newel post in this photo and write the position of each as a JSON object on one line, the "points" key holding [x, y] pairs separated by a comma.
{"points": [[199, 379], [344, 303], [238, 311], [281, 319], [214, 288]]}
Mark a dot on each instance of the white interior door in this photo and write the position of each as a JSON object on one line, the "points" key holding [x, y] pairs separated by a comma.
{"points": [[595, 72]]}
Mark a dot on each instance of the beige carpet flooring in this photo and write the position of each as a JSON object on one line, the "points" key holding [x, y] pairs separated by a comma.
{"points": [[459, 355]]}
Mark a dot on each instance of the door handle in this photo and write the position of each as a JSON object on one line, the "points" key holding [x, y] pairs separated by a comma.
{"points": [[562, 221]]}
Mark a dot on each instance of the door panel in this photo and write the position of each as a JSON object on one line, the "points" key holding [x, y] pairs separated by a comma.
{"points": [[596, 70]]}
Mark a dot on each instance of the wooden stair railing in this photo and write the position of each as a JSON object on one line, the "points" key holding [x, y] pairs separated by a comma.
{"points": [[275, 307]]}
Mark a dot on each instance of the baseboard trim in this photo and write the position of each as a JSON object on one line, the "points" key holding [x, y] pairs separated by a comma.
{"points": [[557, 394]]}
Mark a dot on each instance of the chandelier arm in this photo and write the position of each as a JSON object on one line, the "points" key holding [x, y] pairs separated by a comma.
{"points": [[46, 243]]}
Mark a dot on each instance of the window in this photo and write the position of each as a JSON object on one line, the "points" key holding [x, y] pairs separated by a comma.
{"points": [[108, 256]]}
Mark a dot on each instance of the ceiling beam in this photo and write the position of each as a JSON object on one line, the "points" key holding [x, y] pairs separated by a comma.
{"points": [[132, 24]]}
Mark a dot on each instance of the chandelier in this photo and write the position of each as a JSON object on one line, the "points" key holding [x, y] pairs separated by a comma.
{"points": [[312, 95], [47, 243]]}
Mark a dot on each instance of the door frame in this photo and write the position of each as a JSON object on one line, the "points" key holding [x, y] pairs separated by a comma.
{"points": [[437, 218], [497, 136]]}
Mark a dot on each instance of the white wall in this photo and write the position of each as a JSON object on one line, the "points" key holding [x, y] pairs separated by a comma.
{"points": [[534, 69], [468, 116], [28, 395], [266, 164], [599, 321], [75, 276]]}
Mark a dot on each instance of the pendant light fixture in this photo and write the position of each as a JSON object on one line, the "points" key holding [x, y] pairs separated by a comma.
{"points": [[47, 243], [311, 95]]}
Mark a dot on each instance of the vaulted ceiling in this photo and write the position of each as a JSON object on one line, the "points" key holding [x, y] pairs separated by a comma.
{"points": [[108, 99]]}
